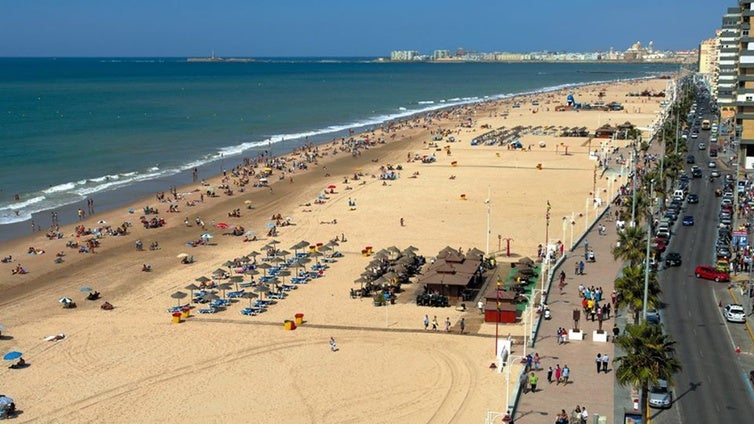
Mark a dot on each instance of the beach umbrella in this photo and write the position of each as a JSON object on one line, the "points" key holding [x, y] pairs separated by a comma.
{"points": [[332, 243], [85, 289], [264, 266], [284, 253], [236, 279], [247, 202], [249, 233], [273, 242], [12, 355], [228, 264], [5, 401], [182, 255], [191, 287], [331, 186], [65, 300], [202, 279], [209, 297], [218, 272], [526, 260], [224, 287], [249, 295], [253, 253], [277, 260], [412, 248], [270, 225], [207, 236], [178, 296], [222, 225], [251, 272], [261, 288]]}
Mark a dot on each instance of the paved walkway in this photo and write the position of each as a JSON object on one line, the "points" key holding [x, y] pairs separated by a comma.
{"points": [[586, 387]]}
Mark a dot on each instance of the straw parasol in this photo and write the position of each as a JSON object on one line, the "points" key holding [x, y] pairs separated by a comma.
{"points": [[191, 287], [178, 296], [249, 295]]}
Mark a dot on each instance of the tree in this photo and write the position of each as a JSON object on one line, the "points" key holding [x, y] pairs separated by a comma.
{"points": [[650, 356], [630, 288], [631, 246]]}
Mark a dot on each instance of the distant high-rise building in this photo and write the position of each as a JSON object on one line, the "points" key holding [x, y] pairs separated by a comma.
{"points": [[724, 85], [441, 54], [745, 88], [708, 57], [404, 55]]}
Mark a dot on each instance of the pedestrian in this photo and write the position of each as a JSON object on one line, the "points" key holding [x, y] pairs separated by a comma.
{"points": [[558, 374], [599, 362], [581, 267], [558, 335], [480, 305], [463, 325], [549, 374], [447, 324], [528, 362], [426, 322], [605, 361], [614, 297], [333, 348], [576, 271], [566, 373], [533, 380], [535, 359], [616, 332], [584, 415], [586, 246], [607, 310], [401, 222], [434, 323]]}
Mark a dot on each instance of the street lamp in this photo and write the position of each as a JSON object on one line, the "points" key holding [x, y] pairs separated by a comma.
{"points": [[508, 363], [488, 202], [646, 258], [499, 310]]}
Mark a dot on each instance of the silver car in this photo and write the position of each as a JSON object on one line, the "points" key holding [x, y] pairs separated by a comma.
{"points": [[734, 313], [660, 395]]}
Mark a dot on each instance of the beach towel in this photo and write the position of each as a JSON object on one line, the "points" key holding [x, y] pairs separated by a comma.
{"points": [[55, 338]]}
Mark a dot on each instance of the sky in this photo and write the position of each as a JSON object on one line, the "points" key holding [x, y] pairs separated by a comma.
{"points": [[367, 28]]}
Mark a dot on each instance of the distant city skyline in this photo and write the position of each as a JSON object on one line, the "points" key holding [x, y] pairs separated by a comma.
{"points": [[179, 28]]}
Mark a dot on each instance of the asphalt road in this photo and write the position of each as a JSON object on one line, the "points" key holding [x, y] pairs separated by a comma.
{"points": [[712, 387]]}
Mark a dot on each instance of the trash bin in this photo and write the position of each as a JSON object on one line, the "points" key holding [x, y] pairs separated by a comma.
{"points": [[299, 318], [177, 317], [185, 312], [290, 325]]}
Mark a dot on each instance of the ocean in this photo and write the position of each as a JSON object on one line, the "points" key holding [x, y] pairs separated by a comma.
{"points": [[114, 129]]}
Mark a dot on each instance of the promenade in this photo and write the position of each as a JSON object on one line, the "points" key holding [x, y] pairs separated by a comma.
{"points": [[598, 392]]}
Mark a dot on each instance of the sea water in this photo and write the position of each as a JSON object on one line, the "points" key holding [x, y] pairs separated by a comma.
{"points": [[74, 128]]}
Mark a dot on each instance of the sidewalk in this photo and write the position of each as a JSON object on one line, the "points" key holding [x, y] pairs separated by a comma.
{"points": [[586, 387]]}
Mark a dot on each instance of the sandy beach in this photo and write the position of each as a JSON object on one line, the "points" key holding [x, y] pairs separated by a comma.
{"points": [[133, 364]]}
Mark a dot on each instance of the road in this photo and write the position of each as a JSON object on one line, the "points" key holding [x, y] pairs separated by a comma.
{"points": [[712, 387]]}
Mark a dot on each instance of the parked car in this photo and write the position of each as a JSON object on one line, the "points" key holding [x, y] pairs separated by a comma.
{"points": [[673, 259], [660, 395], [711, 164], [688, 221], [710, 273], [734, 313], [692, 198], [714, 173]]}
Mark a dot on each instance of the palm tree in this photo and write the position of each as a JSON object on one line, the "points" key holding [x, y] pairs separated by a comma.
{"points": [[650, 355], [630, 287], [631, 246]]}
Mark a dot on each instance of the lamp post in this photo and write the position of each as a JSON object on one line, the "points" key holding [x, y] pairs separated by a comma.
{"points": [[488, 202], [633, 185], [573, 225], [646, 258], [508, 364], [565, 225]]}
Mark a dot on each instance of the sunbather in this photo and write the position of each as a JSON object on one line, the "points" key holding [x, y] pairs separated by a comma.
{"points": [[107, 306]]}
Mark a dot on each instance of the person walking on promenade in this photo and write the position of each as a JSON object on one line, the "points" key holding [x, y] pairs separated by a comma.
{"points": [[581, 267], [463, 325], [434, 323], [535, 359], [533, 380], [605, 362], [616, 332], [333, 347], [576, 271], [480, 305], [558, 374], [426, 322], [598, 360], [447, 324], [566, 374], [549, 374]]}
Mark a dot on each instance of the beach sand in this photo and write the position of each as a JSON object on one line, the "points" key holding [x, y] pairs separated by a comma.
{"points": [[133, 364]]}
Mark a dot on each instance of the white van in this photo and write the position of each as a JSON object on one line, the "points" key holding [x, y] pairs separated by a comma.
{"points": [[679, 194]]}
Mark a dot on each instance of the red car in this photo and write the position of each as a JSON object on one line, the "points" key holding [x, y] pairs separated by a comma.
{"points": [[710, 273]]}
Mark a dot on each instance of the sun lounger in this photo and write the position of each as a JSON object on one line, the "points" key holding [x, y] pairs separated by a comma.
{"points": [[235, 294], [207, 310], [266, 279], [299, 280], [280, 295], [220, 303], [302, 255], [288, 287], [248, 312], [247, 284], [178, 308]]}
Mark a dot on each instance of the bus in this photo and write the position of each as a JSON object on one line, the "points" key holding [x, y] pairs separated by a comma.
{"points": [[705, 124]]}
